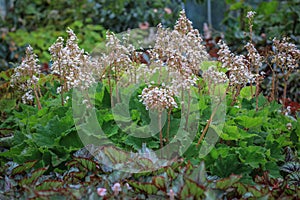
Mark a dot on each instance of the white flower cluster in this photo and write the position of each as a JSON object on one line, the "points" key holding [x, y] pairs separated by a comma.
{"points": [[286, 54], [239, 73], [225, 54], [237, 65], [117, 57], [181, 51], [71, 63], [158, 98], [27, 97], [213, 76], [253, 55], [250, 14], [26, 75]]}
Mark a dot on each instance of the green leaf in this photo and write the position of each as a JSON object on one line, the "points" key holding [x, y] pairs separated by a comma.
{"points": [[148, 188], [6, 141], [184, 193], [49, 184], [230, 1], [191, 189], [262, 100], [145, 163], [241, 188], [273, 169], [171, 173], [77, 23], [249, 122], [226, 183], [79, 175], [7, 74], [247, 92], [256, 193], [31, 179], [199, 174], [195, 189], [88, 164], [39, 172], [115, 155], [252, 155], [159, 182], [22, 168], [110, 129], [229, 164], [57, 159], [50, 134], [70, 140], [230, 133], [274, 106], [106, 103]]}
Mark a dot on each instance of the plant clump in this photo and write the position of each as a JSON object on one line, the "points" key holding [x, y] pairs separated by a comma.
{"points": [[72, 64], [245, 162]]}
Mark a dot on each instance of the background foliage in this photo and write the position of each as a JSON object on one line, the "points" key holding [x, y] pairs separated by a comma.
{"points": [[42, 21]]}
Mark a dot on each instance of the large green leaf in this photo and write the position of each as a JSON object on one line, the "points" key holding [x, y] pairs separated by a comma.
{"points": [[249, 122], [252, 155], [235, 133], [50, 134]]}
